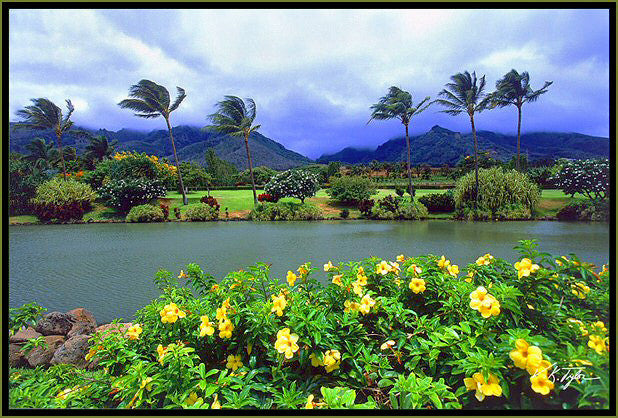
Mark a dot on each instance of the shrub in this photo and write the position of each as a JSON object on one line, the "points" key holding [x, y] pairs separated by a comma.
{"points": [[584, 211], [166, 211], [350, 190], [390, 207], [438, 202], [202, 212], [345, 213], [543, 176], [497, 190], [265, 197], [131, 166], [63, 200], [145, 213], [177, 213], [210, 201], [365, 206], [588, 177], [23, 182], [293, 183], [124, 194], [285, 211]]}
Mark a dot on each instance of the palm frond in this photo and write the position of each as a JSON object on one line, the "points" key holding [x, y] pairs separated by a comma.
{"points": [[179, 98]]}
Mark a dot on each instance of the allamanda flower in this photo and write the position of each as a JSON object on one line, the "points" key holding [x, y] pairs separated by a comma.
{"points": [[337, 280], [291, 277], [401, 258], [351, 306], [233, 362], [286, 343], [443, 262], [597, 343], [414, 270], [483, 302], [146, 383], [315, 361], [477, 382], [192, 399], [170, 313], [134, 332], [417, 285], [580, 290], [302, 270], [383, 268], [525, 267], [332, 360], [328, 266], [453, 270], [279, 304], [540, 383], [225, 328], [206, 327], [366, 304], [526, 355]]}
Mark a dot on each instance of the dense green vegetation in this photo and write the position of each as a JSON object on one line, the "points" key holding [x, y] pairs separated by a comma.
{"points": [[416, 332]]}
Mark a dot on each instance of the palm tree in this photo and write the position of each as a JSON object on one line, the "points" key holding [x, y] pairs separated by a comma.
{"points": [[100, 148], [235, 118], [42, 153], [151, 100], [463, 95], [44, 114], [397, 104], [514, 89]]}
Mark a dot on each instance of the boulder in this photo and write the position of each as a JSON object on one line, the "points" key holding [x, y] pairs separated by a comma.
{"points": [[83, 315], [81, 328], [73, 351], [16, 356], [42, 355], [24, 335], [55, 323]]}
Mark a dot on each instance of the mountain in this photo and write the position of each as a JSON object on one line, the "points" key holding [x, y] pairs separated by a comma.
{"points": [[440, 145], [191, 145]]}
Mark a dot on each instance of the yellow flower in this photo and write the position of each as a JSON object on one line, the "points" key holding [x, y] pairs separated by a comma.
{"points": [[134, 332], [360, 271], [453, 270], [526, 355], [358, 288], [543, 367], [584, 362], [600, 325], [221, 313], [192, 399], [559, 262], [417, 285], [161, 351], [483, 302], [225, 328], [63, 394], [366, 304], [383, 268], [443, 262], [484, 260], [332, 360], [214, 288], [401, 258], [395, 268], [291, 278], [414, 270], [302, 270], [581, 325], [597, 344], [580, 290], [351, 306], [233, 362], [286, 343], [362, 280], [387, 344], [337, 280], [541, 384], [146, 383], [315, 361], [329, 266], [469, 277], [170, 313], [279, 304], [182, 275], [216, 404], [206, 327], [477, 382], [525, 267], [309, 404]]}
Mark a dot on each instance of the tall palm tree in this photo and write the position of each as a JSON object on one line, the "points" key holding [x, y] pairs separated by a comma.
{"points": [[514, 89], [42, 153], [150, 100], [99, 148], [235, 117], [397, 104], [44, 114], [463, 94]]}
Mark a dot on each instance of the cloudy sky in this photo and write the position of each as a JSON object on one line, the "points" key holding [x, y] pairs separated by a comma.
{"points": [[313, 73]]}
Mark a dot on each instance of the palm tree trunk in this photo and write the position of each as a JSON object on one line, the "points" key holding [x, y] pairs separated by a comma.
{"points": [[255, 201], [476, 164], [517, 166], [64, 170], [410, 190], [185, 201]]}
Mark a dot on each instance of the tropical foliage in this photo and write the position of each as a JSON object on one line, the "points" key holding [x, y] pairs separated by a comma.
{"points": [[124, 194], [300, 184], [63, 200], [145, 213], [588, 177], [351, 189]]}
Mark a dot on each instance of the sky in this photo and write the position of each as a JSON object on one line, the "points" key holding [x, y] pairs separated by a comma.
{"points": [[313, 73]]}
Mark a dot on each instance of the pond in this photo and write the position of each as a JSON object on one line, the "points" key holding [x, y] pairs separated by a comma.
{"points": [[108, 268]]}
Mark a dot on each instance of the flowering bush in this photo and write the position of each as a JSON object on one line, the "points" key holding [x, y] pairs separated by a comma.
{"points": [[145, 213], [202, 212], [412, 333], [62, 200], [210, 201], [124, 194], [588, 177], [285, 211], [293, 183], [131, 166], [265, 197]]}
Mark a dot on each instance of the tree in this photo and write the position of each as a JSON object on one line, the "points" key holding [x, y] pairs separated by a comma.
{"points": [[44, 114], [151, 100], [464, 95], [397, 104], [514, 89], [99, 148], [222, 172], [234, 117], [300, 184], [42, 154]]}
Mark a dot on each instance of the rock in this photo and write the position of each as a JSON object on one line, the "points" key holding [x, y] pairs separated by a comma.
{"points": [[73, 351], [24, 335], [109, 328], [81, 328], [42, 355], [16, 356], [82, 315], [55, 323]]}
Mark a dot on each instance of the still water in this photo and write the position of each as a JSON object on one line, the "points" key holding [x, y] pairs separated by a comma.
{"points": [[108, 268]]}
